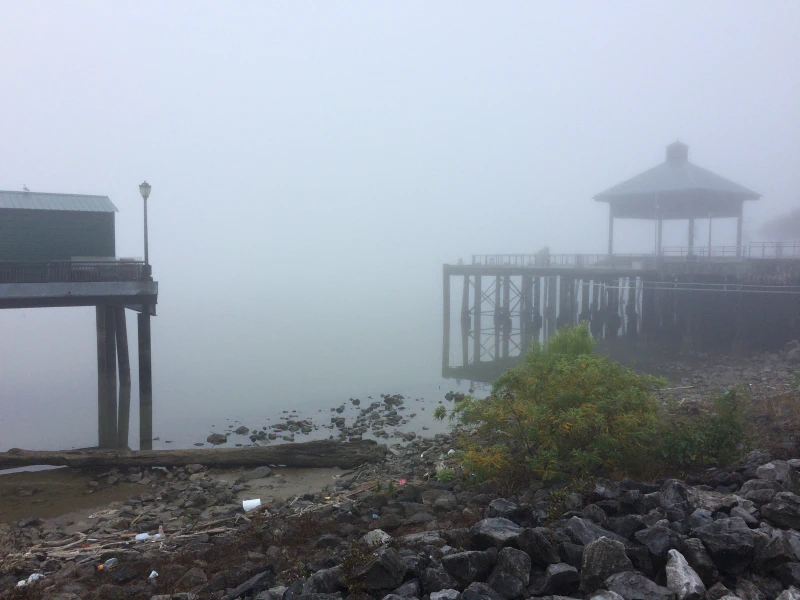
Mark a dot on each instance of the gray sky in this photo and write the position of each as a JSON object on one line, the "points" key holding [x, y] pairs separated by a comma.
{"points": [[313, 164]]}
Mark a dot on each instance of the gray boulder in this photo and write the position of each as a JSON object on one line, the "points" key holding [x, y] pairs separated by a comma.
{"points": [[560, 579], [440, 499], [601, 559], [437, 579], [505, 584], [700, 560], [710, 501], [659, 540], [633, 586], [480, 591], [504, 509], [791, 594], [516, 563], [700, 518], [583, 531], [537, 545], [495, 533], [783, 511], [777, 470], [625, 525], [673, 492], [605, 595], [326, 581], [446, 595], [217, 438], [468, 566], [682, 580], [789, 574], [773, 554], [730, 543], [746, 590], [384, 571]]}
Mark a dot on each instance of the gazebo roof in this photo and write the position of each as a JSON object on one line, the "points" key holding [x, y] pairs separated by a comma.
{"points": [[677, 189]]}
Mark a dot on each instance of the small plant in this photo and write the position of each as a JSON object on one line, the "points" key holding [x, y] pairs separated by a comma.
{"points": [[439, 413], [391, 489], [446, 474], [564, 412], [379, 487], [711, 438]]}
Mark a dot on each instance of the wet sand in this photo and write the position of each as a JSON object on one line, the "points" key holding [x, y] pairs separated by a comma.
{"points": [[54, 492]]}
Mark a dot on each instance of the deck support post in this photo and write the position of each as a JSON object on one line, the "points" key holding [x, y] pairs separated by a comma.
{"points": [[145, 382], [445, 319], [506, 323], [102, 378], [476, 334], [498, 317], [123, 420], [465, 322]]}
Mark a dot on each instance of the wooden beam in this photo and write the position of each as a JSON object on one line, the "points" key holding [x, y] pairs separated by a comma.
{"points": [[319, 454]]}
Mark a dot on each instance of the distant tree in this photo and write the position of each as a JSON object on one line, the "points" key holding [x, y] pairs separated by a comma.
{"points": [[783, 228]]}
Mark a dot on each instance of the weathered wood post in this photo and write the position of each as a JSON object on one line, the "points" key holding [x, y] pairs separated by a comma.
{"points": [[476, 317], [102, 378], [498, 317], [145, 382], [466, 322], [111, 376], [506, 314], [123, 421], [445, 318]]}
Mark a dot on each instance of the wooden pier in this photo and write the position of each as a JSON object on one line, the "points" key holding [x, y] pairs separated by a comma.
{"points": [[719, 299]]}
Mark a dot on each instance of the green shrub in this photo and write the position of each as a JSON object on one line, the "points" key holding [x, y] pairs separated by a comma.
{"points": [[712, 438], [564, 411]]}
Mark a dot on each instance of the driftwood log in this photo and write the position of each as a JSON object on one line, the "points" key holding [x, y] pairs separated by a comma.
{"points": [[320, 454]]}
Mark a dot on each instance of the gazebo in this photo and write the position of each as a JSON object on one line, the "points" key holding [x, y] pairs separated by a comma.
{"points": [[676, 189]]}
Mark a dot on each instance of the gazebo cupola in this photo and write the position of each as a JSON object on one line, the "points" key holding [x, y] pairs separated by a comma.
{"points": [[676, 189]]}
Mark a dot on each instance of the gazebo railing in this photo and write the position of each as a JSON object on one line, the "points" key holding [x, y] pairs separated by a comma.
{"points": [[753, 250]]}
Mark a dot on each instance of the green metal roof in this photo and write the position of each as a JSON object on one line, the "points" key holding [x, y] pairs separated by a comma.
{"points": [[676, 176], [45, 201]]}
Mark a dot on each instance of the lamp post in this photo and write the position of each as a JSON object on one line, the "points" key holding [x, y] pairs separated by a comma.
{"points": [[144, 190]]}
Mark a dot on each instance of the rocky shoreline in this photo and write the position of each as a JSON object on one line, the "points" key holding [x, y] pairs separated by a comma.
{"points": [[392, 531], [730, 533]]}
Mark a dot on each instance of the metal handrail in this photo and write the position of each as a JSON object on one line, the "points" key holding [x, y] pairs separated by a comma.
{"points": [[69, 271]]}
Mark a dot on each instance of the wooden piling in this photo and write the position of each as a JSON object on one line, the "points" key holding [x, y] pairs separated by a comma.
{"points": [[102, 378], [445, 319], [476, 317], [466, 322], [498, 317], [111, 376], [145, 383], [123, 358], [506, 324]]}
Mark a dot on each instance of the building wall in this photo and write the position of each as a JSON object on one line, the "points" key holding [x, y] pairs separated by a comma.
{"points": [[39, 235]]}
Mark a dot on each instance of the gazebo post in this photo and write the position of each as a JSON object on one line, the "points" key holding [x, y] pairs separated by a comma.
{"points": [[691, 236], [739, 230], [610, 229], [659, 234]]}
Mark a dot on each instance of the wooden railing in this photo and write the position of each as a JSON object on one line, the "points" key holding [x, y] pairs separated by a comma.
{"points": [[72, 271], [754, 250]]}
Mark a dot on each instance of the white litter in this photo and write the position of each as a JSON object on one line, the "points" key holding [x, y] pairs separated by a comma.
{"points": [[249, 505]]}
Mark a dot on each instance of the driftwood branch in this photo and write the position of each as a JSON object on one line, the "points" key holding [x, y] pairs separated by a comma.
{"points": [[319, 454]]}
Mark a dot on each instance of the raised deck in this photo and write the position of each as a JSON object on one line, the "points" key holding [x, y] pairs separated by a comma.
{"points": [[77, 283]]}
